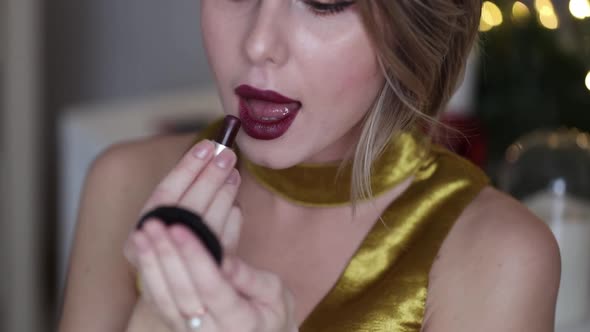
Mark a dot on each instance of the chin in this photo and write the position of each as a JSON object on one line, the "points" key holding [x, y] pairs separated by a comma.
{"points": [[274, 158]]}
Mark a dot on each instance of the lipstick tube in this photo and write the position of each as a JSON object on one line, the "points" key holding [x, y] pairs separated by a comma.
{"points": [[227, 134]]}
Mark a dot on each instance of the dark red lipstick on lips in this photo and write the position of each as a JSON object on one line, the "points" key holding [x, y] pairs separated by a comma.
{"points": [[227, 134], [249, 92], [265, 114]]}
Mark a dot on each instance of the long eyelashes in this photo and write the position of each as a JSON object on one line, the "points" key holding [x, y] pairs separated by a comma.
{"points": [[324, 9]]}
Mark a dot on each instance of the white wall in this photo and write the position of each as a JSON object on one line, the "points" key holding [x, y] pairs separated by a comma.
{"points": [[111, 49]]}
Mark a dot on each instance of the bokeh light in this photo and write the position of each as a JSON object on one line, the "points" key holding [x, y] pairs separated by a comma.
{"points": [[580, 9], [491, 16], [520, 11], [547, 16]]}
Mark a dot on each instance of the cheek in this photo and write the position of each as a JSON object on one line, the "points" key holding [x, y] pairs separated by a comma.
{"points": [[355, 73], [222, 41], [346, 73]]}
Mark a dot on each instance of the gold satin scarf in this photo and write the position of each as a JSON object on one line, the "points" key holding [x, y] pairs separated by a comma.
{"points": [[318, 185], [384, 286]]}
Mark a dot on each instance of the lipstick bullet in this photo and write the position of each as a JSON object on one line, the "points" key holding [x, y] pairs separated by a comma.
{"points": [[227, 134]]}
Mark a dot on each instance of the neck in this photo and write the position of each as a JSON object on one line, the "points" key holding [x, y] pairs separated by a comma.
{"points": [[253, 195]]}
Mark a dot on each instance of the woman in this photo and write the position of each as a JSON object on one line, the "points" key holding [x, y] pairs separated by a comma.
{"points": [[404, 237]]}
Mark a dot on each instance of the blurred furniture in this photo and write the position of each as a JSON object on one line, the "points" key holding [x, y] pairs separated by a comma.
{"points": [[549, 172], [84, 131], [21, 299]]}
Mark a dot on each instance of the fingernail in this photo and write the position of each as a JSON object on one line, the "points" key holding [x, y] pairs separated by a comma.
{"points": [[203, 149], [234, 177], [224, 159]]}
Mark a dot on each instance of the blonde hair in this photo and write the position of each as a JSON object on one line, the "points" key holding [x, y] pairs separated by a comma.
{"points": [[422, 47]]}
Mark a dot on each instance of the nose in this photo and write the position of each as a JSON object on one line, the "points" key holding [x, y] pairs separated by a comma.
{"points": [[265, 42]]}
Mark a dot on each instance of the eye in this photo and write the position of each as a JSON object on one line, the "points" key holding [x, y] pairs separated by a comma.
{"points": [[324, 9]]}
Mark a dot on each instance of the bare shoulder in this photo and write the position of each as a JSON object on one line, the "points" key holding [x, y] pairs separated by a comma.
{"points": [[499, 263], [148, 156], [117, 184], [135, 167], [495, 220], [126, 173]]}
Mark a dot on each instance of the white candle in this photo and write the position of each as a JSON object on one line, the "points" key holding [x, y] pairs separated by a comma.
{"points": [[569, 219]]}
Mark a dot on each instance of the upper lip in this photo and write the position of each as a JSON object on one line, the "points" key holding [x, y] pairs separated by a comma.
{"points": [[249, 92]]}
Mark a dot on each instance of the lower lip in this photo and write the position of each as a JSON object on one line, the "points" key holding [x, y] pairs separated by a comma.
{"points": [[264, 130]]}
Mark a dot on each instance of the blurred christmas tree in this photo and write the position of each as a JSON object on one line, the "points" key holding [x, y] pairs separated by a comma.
{"points": [[535, 59]]}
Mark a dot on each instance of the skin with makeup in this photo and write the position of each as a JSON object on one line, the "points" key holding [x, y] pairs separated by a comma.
{"points": [[300, 75]]}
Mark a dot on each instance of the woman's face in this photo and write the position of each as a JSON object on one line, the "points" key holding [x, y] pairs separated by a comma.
{"points": [[316, 53]]}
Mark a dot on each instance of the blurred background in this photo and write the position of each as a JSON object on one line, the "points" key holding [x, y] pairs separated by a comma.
{"points": [[77, 76]]}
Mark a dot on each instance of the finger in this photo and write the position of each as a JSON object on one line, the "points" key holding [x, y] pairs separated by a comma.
{"points": [[176, 275], [230, 237], [154, 286], [175, 184], [216, 293], [219, 210], [201, 193]]}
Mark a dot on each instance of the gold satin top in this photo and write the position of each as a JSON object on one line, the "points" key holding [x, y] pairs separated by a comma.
{"points": [[384, 286]]}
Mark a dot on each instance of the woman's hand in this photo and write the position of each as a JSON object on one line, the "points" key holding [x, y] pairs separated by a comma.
{"points": [[178, 276]]}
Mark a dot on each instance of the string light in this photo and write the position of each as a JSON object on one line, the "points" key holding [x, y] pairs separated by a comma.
{"points": [[483, 26], [580, 9], [520, 11], [491, 16], [547, 16], [540, 4]]}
